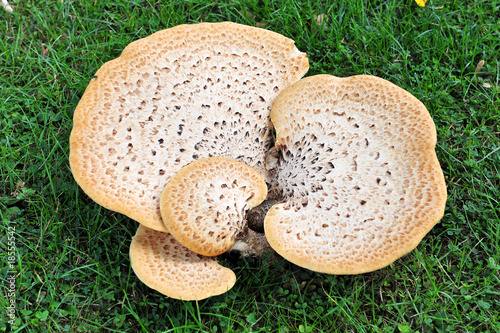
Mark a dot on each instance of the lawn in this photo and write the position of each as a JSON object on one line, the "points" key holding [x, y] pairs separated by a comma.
{"points": [[69, 269]]}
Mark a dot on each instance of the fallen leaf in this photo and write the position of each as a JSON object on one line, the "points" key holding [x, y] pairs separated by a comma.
{"points": [[248, 14], [479, 65], [7, 7], [45, 50], [311, 287]]}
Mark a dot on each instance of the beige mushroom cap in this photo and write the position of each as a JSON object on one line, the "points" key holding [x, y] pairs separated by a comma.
{"points": [[205, 203], [165, 265], [181, 94], [359, 181]]}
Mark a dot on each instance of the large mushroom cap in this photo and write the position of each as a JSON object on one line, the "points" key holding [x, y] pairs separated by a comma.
{"points": [[359, 181], [165, 265], [204, 205], [181, 94]]}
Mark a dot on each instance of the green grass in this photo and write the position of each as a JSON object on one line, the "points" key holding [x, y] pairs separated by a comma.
{"points": [[73, 270]]}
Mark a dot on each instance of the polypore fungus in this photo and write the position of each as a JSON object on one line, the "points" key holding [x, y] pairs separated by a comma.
{"points": [[163, 264], [204, 205], [358, 180], [181, 94]]}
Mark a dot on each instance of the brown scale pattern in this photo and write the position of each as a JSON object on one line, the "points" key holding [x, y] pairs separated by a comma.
{"points": [[181, 94], [359, 180], [204, 205], [165, 265]]}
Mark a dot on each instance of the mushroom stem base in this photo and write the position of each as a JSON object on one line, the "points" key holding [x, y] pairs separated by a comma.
{"points": [[253, 245]]}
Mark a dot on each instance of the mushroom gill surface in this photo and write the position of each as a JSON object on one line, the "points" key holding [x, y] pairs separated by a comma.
{"points": [[358, 180], [181, 94]]}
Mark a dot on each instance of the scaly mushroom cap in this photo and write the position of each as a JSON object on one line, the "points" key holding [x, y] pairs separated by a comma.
{"points": [[165, 265], [359, 179], [204, 205], [181, 94]]}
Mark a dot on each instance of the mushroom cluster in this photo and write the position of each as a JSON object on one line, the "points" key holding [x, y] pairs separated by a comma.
{"points": [[177, 134]]}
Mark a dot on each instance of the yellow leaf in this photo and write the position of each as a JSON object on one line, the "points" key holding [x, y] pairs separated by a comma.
{"points": [[421, 3]]}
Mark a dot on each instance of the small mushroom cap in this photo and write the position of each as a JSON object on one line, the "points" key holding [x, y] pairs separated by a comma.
{"points": [[359, 181], [165, 265], [205, 203], [181, 94]]}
